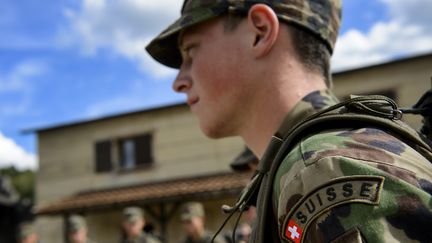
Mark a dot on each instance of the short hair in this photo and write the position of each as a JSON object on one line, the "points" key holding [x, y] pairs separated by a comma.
{"points": [[311, 51]]}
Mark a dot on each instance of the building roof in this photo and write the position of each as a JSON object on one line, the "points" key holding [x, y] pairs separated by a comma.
{"points": [[103, 118], [197, 188]]}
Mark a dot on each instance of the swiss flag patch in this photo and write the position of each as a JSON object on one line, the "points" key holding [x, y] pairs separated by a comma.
{"points": [[293, 231]]}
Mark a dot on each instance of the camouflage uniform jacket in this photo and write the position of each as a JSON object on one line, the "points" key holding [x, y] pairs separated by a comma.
{"points": [[143, 238], [351, 185]]}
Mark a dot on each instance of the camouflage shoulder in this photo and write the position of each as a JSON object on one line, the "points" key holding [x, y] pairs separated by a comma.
{"points": [[329, 184], [368, 144]]}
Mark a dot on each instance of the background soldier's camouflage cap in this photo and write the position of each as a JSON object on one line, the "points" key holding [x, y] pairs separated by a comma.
{"points": [[191, 210], [321, 17], [132, 214], [76, 222]]}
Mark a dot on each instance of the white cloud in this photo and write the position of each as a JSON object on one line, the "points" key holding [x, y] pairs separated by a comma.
{"points": [[12, 154], [416, 12], [407, 32], [124, 27], [18, 78], [16, 86]]}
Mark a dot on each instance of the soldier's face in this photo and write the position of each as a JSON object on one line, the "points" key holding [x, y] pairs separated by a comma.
{"points": [[79, 236], [213, 75], [133, 228], [194, 226]]}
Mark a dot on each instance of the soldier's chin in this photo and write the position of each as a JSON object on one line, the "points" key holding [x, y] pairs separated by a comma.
{"points": [[214, 132]]}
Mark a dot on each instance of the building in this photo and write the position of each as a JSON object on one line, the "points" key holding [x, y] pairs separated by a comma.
{"points": [[95, 168]]}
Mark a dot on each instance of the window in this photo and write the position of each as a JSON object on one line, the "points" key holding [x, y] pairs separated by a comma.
{"points": [[124, 154], [128, 154], [135, 152]]}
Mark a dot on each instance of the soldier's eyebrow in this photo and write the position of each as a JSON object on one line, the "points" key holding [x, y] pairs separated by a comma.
{"points": [[180, 40], [190, 31]]}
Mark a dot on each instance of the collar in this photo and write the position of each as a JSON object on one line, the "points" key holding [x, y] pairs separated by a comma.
{"points": [[308, 105]]}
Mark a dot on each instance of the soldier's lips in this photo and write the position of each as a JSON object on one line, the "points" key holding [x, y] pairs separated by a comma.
{"points": [[192, 101]]}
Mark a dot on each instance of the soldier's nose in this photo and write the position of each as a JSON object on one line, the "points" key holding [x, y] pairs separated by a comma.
{"points": [[182, 83]]}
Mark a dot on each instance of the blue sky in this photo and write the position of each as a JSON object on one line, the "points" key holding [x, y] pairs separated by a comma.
{"points": [[68, 60]]}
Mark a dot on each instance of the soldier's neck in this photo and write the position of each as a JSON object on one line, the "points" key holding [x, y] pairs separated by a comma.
{"points": [[272, 107]]}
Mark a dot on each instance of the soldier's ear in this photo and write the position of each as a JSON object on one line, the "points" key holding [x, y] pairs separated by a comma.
{"points": [[265, 25]]}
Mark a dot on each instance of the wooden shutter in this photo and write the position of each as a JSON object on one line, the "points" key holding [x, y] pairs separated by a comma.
{"points": [[103, 156], [143, 149]]}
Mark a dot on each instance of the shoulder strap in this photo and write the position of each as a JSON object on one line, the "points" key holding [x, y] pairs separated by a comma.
{"points": [[377, 111], [423, 107]]}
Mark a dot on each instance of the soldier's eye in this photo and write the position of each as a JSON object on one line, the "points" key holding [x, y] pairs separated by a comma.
{"points": [[189, 50]]}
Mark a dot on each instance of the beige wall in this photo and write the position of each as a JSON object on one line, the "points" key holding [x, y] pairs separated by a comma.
{"points": [[180, 149]]}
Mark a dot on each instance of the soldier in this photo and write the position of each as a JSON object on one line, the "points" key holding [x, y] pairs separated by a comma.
{"points": [[243, 231], [133, 223], [77, 230], [259, 68], [193, 218]]}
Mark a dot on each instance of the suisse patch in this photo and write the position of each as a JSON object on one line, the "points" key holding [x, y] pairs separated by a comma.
{"points": [[342, 190]]}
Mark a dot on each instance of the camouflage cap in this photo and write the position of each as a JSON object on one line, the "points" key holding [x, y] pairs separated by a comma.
{"points": [[132, 214], [76, 222], [191, 210], [321, 17]]}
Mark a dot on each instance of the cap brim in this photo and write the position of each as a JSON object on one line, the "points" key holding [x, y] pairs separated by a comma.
{"points": [[164, 48]]}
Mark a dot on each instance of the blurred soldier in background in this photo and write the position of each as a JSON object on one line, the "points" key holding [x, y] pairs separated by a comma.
{"points": [[133, 223], [77, 230], [244, 230], [193, 218]]}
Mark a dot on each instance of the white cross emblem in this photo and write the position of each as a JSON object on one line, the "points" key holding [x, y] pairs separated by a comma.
{"points": [[293, 231]]}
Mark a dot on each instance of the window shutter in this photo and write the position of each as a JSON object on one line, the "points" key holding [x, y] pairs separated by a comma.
{"points": [[103, 156], [143, 149]]}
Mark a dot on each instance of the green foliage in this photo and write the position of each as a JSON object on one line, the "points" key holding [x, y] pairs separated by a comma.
{"points": [[22, 181]]}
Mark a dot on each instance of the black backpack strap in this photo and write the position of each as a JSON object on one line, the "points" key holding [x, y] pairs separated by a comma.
{"points": [[423, 107]]}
